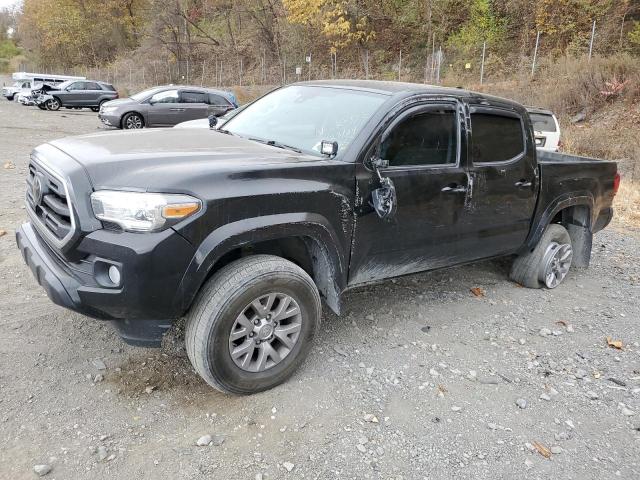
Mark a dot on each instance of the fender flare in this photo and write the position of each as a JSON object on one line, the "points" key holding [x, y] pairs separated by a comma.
{"points": [[244, 232], [561, 202]]}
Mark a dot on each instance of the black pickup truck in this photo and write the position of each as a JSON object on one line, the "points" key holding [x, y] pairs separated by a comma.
{"points": [[313, 189]]}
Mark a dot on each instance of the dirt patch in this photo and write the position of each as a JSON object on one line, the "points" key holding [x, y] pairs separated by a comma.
{"points": [[141, 375]]}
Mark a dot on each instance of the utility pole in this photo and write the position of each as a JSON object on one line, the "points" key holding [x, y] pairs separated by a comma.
{"points": [[535, 54], [484, 48], [593, 34]]}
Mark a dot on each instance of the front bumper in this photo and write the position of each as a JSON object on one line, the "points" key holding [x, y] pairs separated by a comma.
{"points": [[110, 120], [149, 297]]}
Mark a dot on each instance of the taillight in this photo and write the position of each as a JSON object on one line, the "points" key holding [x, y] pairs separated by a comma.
{"points": [[616, 183]]}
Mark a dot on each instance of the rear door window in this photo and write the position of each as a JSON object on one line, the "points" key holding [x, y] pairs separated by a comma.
{"points": [[495, 137], [542, 122], [91, 86], [192, 97], [218, 100]]}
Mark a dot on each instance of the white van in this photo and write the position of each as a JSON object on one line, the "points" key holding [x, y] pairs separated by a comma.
{"points": [[24, 81], [546, 129]]}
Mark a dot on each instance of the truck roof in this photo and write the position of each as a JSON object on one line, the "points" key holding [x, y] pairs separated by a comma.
{"points": [[399, 88]]}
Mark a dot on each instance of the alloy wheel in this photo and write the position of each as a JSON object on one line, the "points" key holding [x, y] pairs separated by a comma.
{"points": [[265, 332], [556, 262]]}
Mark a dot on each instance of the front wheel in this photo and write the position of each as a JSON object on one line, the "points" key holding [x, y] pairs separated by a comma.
{"points": [[548, 264], [252, 324], [132, 121], [53, 104]]}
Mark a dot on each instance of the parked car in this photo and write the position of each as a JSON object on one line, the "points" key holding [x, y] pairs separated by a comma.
{"points": [[546, 129], [311, 190], [78, 94], [23, 81], [165, 107]]}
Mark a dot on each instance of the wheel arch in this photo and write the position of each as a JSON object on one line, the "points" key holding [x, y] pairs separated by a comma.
{"points": [[575, 212], [144, 118], [305, 239]]}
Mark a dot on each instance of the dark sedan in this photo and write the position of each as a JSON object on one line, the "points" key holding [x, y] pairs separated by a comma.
{"points": [[166, 106]]}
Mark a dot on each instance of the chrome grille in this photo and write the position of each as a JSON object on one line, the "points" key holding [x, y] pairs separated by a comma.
{"points": [[48, 204]]}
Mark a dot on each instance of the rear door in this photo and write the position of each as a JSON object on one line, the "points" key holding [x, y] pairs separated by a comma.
{"points": [[504, 181], [194, 105], [92, 93], [218, 105]]}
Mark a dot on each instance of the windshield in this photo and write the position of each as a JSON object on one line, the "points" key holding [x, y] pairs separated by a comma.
{"points": [[303, 116], [543, 122], [138, 97], [64, 85]]}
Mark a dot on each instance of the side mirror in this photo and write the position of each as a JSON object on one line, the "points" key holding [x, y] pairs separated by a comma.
{"points": [[213, 121]]}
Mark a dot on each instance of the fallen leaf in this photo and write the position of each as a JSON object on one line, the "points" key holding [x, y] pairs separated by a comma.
{"points": [[442, 389], [614, 343], [9, 165], [562, 322], [542, 450], [3, 233], [477, 291]]}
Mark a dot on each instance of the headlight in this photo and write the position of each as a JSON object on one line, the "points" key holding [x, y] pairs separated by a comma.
{"points": [[108, 109], [142, 212]]}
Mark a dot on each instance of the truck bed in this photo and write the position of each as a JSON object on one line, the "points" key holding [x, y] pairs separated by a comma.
{"points": [[566, 180]]}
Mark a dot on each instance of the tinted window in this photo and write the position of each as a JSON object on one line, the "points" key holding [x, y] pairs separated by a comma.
{"points": [[428, 138], [218, 100], [108, 86], [91, 86], [168, 96], [495, 138], [192, 97], [542, 122], [76, 86]]}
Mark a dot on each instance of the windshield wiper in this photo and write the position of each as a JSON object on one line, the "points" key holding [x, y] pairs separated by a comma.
{"points": [[273, 143]]}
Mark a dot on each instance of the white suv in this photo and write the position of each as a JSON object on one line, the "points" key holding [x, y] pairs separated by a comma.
{"points": [[546, 129]]}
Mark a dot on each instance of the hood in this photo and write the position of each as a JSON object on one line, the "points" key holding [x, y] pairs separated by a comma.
{"points": [[161, 159], [119, 101]]}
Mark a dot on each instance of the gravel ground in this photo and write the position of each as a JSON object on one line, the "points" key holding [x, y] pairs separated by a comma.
{"points": [[419, 379]]}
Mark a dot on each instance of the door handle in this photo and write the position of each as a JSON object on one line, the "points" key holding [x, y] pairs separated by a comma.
{"points": [[177, 109], [454, 188], [523, 184]]}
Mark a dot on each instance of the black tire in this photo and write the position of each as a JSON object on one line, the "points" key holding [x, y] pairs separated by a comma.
{"points": [[10, 98], [95, 109], [131, 119], [226, 295], [527, 269], [53, 104], [42, 106]]}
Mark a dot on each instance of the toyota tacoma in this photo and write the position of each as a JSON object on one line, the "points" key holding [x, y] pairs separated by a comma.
{"points": [[313, 189]]}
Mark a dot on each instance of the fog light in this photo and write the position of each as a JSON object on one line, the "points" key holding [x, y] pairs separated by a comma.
{"points": [[114, 275]]}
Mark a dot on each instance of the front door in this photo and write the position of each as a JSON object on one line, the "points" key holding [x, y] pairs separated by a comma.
{"points": [[503, 172], [165, 109], [426, 167]]}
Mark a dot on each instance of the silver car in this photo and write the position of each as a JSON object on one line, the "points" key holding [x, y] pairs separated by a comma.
{"points": [[165, 107]]}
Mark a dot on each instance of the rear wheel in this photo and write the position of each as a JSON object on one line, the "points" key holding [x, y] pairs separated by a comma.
{"points": [[132, 121], [549, 263], [95, 109], [252, 324], [53, 104]]}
